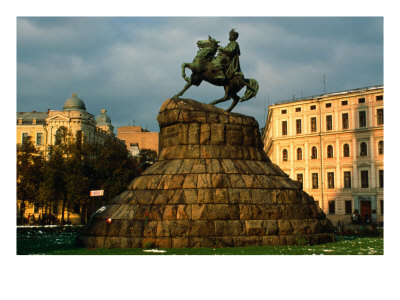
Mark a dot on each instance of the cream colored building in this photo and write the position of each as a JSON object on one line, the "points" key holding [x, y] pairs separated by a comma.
{"points": [[42, 127], [333, 144]]}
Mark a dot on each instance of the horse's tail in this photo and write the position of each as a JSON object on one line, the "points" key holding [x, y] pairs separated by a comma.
{"points": [[250, 92]]}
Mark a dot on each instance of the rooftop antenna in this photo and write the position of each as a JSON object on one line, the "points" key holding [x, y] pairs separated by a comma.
{"points": [[324, 80], [265, 110]]}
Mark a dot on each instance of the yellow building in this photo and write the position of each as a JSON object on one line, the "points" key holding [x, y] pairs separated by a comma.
{"points": [[42, 127], [333, 144], [136, 138]]}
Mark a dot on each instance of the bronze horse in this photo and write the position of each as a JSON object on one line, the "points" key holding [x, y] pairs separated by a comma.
{"points": [[206, 66]]}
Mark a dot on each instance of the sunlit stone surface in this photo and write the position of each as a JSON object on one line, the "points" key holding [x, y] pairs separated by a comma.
{"points": [[213, 186]]}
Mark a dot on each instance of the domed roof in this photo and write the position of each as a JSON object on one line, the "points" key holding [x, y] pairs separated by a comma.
{"points": [[103, 118], [74, 103]]}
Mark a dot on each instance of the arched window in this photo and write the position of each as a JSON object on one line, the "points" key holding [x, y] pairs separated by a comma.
{"points": [[61, 135], [299, 154], [380, 147], [79, 136], [346, 150], [330, 151], [284, 155], [363, 149], [57, 140], [79, 139], [314, 152]]}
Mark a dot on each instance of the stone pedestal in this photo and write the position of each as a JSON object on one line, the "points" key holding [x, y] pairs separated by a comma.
{"points": [[213, 186]]}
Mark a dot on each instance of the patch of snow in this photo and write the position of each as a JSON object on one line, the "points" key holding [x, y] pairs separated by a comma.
{"points": [[155, 251], [101, 209]]}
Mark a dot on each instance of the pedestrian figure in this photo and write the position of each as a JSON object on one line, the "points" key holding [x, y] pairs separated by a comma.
{"points": [[354, 217], [366, 219]]}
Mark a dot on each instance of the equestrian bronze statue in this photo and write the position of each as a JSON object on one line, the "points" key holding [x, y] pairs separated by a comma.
{"points": [[221, 70]]}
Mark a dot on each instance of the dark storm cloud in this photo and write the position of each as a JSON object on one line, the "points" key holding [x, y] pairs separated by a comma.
{"points": [[131, 65]]}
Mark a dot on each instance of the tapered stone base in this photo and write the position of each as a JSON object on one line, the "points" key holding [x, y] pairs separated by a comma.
{"points": [[213, 186]]}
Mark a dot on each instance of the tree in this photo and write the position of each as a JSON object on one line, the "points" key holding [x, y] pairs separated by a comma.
{"points": [[73, 168], [146, 158], [52, 189], [114, 167], [30, 166], [78, 174], [62, 172]]}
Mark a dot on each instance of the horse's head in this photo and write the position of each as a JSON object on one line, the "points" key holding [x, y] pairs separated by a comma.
{"points": [[210, 43]]}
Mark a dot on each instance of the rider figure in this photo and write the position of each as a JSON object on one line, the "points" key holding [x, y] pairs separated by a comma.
{"points": [[231, 65], [231, 52]]}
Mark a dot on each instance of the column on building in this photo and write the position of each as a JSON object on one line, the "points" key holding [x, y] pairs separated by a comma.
{"points": [[338, 173], [306, 180], [374, 178], [292, 158]]}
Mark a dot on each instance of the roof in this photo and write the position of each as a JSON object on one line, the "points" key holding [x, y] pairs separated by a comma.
{"points": [[27, 117], [103, 118], [358, 90], [74, 103]]}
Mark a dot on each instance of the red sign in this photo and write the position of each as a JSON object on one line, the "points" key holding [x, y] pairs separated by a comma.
{"points": [[96, 193]]}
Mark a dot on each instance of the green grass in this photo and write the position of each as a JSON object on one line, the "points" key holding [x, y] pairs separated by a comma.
{"points": [[62, 242], [40, 240], [358, 246]]}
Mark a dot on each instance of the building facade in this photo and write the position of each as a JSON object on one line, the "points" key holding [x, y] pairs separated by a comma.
{"points": [[42, 127], [136, 138], [333, 144]]}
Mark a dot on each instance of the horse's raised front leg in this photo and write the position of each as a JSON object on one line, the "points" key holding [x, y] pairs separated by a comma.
{"points": [[234, 102], [185, 65], [187, 85]]}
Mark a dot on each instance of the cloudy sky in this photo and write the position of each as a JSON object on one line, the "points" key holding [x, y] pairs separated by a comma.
{"points": [[130, 65]]}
